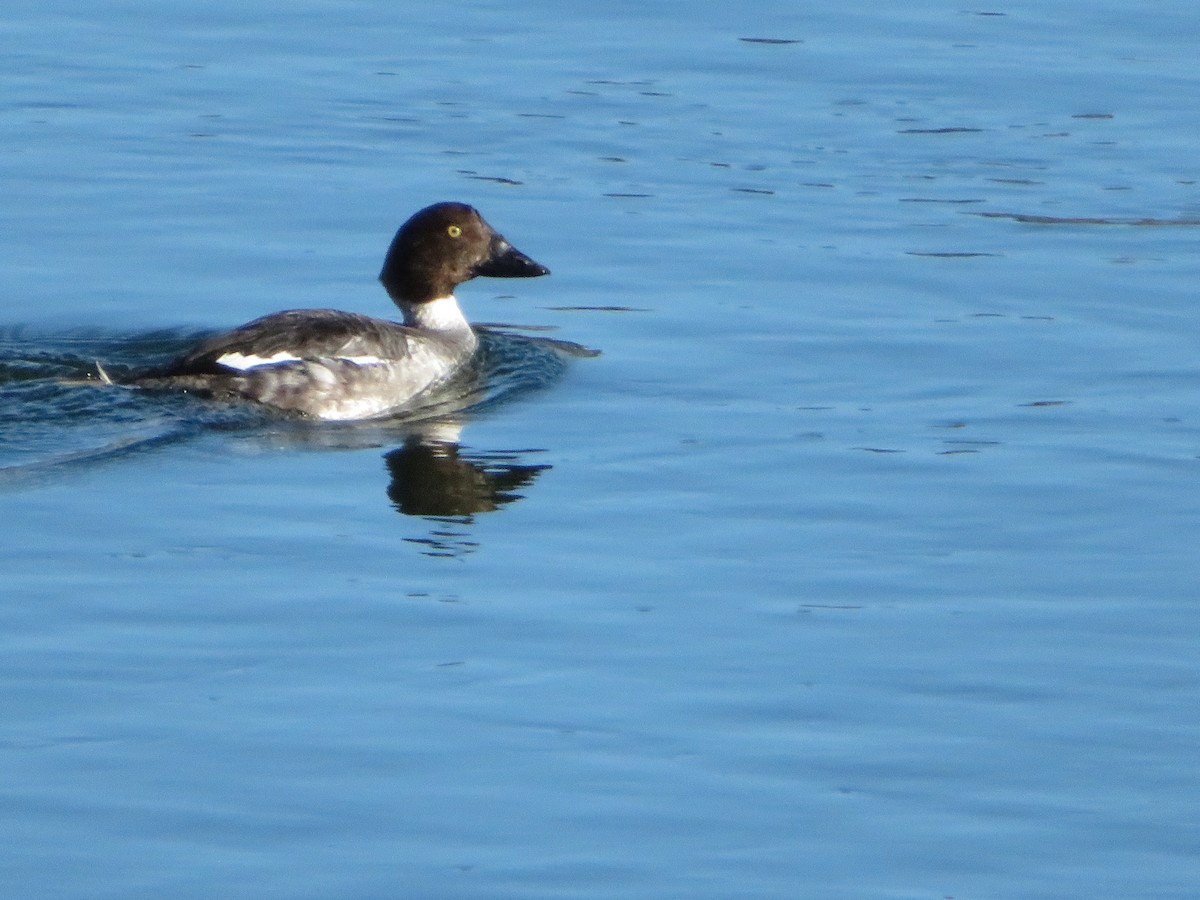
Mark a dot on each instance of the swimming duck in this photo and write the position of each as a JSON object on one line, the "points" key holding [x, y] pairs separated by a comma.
{"points": [[335, 365]]}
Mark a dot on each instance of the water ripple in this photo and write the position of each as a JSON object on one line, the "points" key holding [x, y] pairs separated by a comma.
{"points": [[57, 414]]}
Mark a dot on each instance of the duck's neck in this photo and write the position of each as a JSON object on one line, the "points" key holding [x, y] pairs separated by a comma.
{"points": [[441, 315]]}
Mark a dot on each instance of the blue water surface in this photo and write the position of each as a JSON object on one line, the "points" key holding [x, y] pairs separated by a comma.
{"points": [[859, 564]]}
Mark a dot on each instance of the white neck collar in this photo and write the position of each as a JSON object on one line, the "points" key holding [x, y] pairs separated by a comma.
{"points": [[442, 314]]}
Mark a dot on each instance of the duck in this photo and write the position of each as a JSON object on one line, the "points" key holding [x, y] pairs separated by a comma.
{"points": [[341, 366]]}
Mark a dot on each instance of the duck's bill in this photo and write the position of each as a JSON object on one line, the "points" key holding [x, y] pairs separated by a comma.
{"points": [[507, 261]]}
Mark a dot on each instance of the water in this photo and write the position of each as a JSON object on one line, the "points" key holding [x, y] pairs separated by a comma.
{"points": [[860, 564]]}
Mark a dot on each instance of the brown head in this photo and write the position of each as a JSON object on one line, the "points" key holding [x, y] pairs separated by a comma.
{"points": [[444, 245]]}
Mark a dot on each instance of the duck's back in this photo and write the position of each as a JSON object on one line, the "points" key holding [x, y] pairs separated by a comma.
{"points": [[295, 335], [319, 362]]}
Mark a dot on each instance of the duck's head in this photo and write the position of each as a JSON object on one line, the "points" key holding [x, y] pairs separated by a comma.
{"points": [[444, 245]]}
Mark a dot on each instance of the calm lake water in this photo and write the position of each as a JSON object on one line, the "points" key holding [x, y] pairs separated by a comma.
{"points": [[860, 564]]}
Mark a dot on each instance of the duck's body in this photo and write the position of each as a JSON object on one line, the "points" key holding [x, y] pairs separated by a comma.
{"points": [[332, 365]]}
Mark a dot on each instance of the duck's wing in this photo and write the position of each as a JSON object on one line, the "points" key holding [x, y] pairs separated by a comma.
{"points": [[294, 335]]}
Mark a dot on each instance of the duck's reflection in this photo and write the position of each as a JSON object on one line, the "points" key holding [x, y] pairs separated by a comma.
{"points": [[435, 478], [432, 474], [438, 478], [443, 483]]}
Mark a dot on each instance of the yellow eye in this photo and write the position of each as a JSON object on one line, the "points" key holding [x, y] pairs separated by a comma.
{"points": [[454, 231]]}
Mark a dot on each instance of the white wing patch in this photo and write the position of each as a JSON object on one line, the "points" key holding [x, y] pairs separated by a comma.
{"points": [[244, 362]]}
